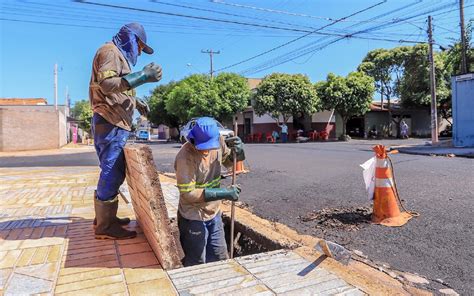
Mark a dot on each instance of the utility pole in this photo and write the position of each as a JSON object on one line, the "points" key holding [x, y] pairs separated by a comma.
{"points": [[434, 115], [211, 52], [463, 38], [56, 86]]}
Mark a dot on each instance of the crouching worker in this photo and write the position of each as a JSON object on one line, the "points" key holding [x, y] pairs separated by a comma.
{"points": [[198, 174]]}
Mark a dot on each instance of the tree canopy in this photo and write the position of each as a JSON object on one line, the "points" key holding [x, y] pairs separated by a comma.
{"points": [[199, 95], [157, 102], [82, 111], [349, 96], [285, 95]]}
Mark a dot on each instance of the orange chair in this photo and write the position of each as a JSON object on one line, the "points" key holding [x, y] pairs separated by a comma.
{"points": [[269, 138], [249, 138], [257, 137], [323, 135], [313, 135]]}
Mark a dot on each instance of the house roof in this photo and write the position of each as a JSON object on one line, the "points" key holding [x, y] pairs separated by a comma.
{"points": [[377, 106], [253, 82], [22, 101]]}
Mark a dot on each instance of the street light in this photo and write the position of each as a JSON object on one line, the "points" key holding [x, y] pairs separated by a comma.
{"points": [[189, 65]]}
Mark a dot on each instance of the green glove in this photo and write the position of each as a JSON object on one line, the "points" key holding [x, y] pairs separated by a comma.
{"points": [[235, 144], [150, 73], [232, 193], [142, 107]]}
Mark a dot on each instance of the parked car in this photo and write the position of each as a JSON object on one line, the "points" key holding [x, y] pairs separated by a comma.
{"points": [[143, 135], [187, 128]]}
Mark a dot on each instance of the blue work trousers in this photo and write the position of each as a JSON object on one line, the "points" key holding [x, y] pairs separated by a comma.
{"points": [[109, 141], [202, 241]]}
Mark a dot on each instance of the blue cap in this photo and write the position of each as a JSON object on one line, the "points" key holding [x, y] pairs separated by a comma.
{"points": [[139, 31], [205, 134]]}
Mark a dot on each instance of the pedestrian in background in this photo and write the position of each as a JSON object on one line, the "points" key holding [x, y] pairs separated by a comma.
{"points": [[112, 97], [284, 132], [404, 129]]}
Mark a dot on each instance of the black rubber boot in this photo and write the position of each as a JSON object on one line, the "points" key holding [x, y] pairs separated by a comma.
{"points": [[107, 225], [121, 221]]}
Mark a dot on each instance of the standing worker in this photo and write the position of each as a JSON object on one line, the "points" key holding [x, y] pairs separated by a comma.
{"points": [[198, 174], [112, 96]]}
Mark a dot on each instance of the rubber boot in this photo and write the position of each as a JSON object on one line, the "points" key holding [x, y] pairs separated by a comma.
{"points": [[121, 221], [107, 225]]}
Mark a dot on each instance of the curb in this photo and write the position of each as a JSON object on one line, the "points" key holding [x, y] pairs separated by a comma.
{"points": [[430, 153]]}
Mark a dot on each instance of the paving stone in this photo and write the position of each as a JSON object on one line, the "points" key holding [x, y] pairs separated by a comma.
{"points": [[40, 255], [143, 274], [10, 258], [110, 289], [139, 260], [88, 275], [75, 286], [42, 271], [4, 274], [134, 248], [27, 285], [26, 256], [154, 287], [42, 242]]}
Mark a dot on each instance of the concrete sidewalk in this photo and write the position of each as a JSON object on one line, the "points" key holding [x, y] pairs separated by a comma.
{"points": [[437, 150], [47, 247]]}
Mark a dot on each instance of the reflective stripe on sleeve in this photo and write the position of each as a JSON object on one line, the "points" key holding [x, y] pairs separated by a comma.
{"points": [[106, 74]]}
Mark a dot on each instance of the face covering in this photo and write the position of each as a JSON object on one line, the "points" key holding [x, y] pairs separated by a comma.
{"points": [[126, 41]]}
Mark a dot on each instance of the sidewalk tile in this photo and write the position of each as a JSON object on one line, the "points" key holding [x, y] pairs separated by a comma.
{"points": [[139, 260], [10, 258], [26, 285], [115, 288], [155, 287], [40, 255], [87, 275], [75, 286], [42, 271], [26, 256], [143, 274]]}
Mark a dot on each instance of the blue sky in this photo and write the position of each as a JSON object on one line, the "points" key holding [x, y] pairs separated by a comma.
{"points": [[36, 34]]}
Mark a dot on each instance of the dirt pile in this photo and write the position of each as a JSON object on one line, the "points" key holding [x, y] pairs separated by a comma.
{"points": [[347, 219]]}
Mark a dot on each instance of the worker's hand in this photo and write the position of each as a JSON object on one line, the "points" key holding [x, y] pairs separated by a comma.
{"points": [[142, 107], [232, 193], [235, 144], [152, 72]]}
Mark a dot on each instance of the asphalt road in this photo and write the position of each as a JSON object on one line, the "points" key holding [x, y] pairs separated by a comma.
{"points": [[288, 181]]}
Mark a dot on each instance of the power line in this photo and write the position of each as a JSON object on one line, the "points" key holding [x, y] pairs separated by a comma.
{"points": [[299, 38], [307, 49]]}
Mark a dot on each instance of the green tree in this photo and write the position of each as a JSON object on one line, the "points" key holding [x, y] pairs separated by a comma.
{"points": [[82, 111], [349, 96], [157, 102], [234, 94], [414, 88], [199, 95], [285, 95]]}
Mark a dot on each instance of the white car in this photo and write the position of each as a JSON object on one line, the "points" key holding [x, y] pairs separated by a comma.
{"points": [[187, 128]]}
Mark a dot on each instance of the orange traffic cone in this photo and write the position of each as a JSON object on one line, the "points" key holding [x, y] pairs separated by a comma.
{"points": [[240, 168], [386, 211]]}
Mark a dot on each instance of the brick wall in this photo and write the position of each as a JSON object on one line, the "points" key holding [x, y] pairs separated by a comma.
{"points": [[29, 129], [149, 206]]}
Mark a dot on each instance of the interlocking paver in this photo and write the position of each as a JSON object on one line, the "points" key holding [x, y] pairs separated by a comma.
{"points": [[47, 246]]}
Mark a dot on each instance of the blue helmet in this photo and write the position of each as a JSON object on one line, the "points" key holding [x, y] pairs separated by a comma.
{"points": [[204, 134]]}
